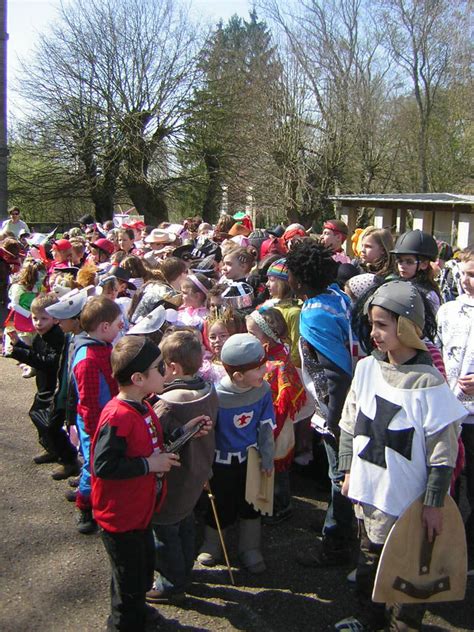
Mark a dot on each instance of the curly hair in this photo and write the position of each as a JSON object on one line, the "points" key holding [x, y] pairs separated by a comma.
{"points": [[312, 264]]}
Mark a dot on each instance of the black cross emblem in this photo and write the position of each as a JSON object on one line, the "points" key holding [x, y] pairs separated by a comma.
{"points": [[380, 436]]}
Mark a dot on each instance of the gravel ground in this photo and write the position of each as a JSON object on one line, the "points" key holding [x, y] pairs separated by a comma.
{"points": [[55, 580]]}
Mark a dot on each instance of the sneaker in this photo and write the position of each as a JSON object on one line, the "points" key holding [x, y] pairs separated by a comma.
{"points": [[28, 371], [44, 457], [65, 470], [71, 495], [279, 516], [164, 596], [351, 624], [86, 523]]}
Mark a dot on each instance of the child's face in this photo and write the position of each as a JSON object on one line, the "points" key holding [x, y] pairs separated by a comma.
{"points": [[62, 255], [273, 286], [467, 276], [111, 330], [253, 378], [69, 325], [384, 330], [407, 266], [191, 298], [331, 239], [153, 380], [111, 292], [125, 243], [42, 321], [232, 268], [371, 251], [218, 334]]}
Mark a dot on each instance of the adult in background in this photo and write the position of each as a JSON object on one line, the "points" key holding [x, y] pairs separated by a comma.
{"points": [[334, 234], [15, 225]]}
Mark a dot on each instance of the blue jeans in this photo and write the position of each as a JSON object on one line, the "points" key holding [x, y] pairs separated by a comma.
{"points": [[85, 450], [338, 521], [174, 554]]}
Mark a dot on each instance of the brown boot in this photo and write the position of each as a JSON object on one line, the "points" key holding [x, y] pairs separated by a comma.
{"points": [[65, 470]]}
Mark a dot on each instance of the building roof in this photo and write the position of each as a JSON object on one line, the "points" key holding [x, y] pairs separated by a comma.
{"points": [[435, 202], [407, 198]]}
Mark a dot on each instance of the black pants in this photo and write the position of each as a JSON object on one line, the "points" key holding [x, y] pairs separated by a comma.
{"points": [[374, 615], [228, 487], [132, 556], [58, 439]]}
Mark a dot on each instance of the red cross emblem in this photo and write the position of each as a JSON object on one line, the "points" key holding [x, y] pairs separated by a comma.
{"points": [[242, 420]]}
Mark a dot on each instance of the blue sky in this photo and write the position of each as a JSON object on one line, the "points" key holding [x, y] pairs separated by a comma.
{"points": [[28, 18]]}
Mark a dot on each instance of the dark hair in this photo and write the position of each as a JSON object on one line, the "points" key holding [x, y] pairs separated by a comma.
{"points": [[361, 325], [135, 267], [184, 348], [172, 268], [127, 231], [312, 264], [99, 309]]}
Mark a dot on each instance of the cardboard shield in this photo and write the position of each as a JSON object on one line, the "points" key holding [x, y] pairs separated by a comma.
{"points": [[412, 570], [258, 486]]}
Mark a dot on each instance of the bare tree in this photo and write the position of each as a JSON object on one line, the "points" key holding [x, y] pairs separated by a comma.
{"points": [[109, 85], [421, 34]]}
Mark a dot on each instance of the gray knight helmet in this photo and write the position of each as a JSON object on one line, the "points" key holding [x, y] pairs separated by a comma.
{"points": [[400, 297]]}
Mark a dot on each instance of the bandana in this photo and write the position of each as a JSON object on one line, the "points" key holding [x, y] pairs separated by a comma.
{"points": [[264, 326], [148, 353]]}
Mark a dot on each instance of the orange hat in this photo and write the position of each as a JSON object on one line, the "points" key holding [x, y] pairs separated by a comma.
{"points": [[239, 229]]}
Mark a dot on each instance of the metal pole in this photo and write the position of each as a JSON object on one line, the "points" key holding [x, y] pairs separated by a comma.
{"points": [[3, 111]]}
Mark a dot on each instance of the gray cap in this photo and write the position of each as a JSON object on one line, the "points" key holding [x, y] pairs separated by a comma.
{"points": [[152, 321], [400, 297], [242, 350], [69, 306]]}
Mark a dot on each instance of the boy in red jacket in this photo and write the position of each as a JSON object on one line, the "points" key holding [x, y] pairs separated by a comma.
{"points": [[127, 478]]}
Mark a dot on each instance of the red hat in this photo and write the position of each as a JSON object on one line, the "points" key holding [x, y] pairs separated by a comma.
{"points": [[104, 244], [62, 244]]}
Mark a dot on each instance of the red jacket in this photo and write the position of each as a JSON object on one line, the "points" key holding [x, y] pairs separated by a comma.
{"points": [[124, 492]]}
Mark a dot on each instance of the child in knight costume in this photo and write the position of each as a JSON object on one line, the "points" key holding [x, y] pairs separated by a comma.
{"points": [[399, 431], [246, 419]]}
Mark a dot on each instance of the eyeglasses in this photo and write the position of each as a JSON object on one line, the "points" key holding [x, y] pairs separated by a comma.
{"points": [[161, 367]]}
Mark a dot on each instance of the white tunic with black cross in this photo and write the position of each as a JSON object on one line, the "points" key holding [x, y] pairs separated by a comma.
{"points": [[392, 424]]}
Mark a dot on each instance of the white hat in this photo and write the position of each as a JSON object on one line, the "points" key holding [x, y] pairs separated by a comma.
{"points": [[152, 321], [159, 236]]}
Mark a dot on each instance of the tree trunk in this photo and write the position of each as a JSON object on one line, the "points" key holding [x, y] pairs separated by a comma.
{"points": [[103, 204], [422, 161], [148, 202], [210, 207]]}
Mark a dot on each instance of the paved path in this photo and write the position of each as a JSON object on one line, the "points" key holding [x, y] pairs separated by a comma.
{"points": [[55, 580]]}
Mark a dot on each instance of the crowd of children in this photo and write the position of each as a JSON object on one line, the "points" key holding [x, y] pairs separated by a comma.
{"points": [[178, 359]]}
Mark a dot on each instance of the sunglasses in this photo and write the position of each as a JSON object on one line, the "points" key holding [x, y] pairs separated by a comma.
{"points": [[15, 213], [160, 367]]}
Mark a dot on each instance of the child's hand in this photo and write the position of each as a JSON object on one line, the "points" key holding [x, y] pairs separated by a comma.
{"points": [[14, 338], [207, 427], [345, 484], [160, 462], [432, 519], [466, 384], [268, 472]]}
